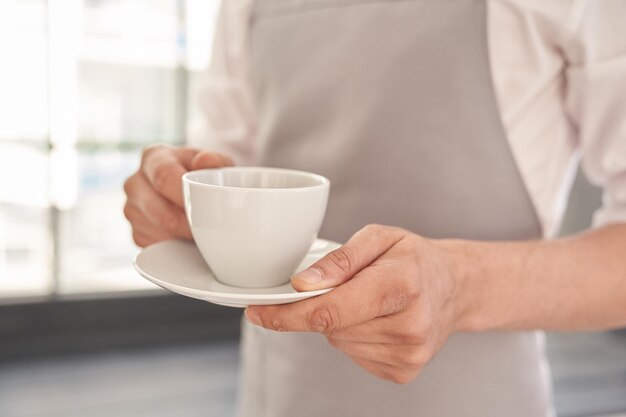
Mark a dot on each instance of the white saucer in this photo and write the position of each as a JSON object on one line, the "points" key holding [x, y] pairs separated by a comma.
{"points": [[177, 266]]}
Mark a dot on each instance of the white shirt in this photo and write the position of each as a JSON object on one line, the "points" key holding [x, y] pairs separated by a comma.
{"points": [[559, 71]]}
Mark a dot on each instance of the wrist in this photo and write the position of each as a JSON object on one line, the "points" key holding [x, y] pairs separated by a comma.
{"points": [[472, 288]]}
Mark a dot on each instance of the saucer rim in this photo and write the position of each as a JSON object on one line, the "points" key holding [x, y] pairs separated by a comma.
{"points": [[225, 295]]}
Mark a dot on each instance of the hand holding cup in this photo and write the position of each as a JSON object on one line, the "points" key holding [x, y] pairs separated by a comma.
{"points": [[154, 197]]}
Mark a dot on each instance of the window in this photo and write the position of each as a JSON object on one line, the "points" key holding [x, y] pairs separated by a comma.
{"points": [[87, 84]]}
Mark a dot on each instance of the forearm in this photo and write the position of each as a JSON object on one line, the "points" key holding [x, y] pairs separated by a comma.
{"points": [[574, 283]]}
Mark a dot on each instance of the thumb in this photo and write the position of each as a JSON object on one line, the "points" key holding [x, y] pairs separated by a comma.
{"points": [[204, 159], [340, 265]]}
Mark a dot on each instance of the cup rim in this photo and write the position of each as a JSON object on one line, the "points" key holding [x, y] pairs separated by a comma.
{"points": [[322, 181]]}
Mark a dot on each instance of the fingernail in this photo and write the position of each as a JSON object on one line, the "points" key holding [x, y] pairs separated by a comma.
{"points": [[311, 276], [252, 316]]}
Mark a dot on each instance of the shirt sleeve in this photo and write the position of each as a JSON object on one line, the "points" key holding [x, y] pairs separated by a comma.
{"points": [[222, 116], [596, 100]]}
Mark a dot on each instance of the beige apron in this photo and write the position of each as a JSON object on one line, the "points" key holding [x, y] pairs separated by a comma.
{"points": [[393, 101]]}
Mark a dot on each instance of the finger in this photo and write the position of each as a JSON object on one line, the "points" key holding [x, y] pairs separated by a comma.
{"points": [[343, 263], [158, 211], [166, 216], [140, 223], [387, 372], [374, 292], [204, 160], [164, 166], [391, 354], [142, 240], [375, 352], [186, 156], [378, 330]]}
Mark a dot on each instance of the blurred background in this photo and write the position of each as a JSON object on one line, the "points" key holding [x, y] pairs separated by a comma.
{"points": [[84, 86]]}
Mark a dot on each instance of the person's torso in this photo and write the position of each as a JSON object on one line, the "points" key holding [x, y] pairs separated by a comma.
{"points": [[393, 102]]}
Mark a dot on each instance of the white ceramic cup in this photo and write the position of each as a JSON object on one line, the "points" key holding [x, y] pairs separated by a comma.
{"points": [[254, 225]]}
